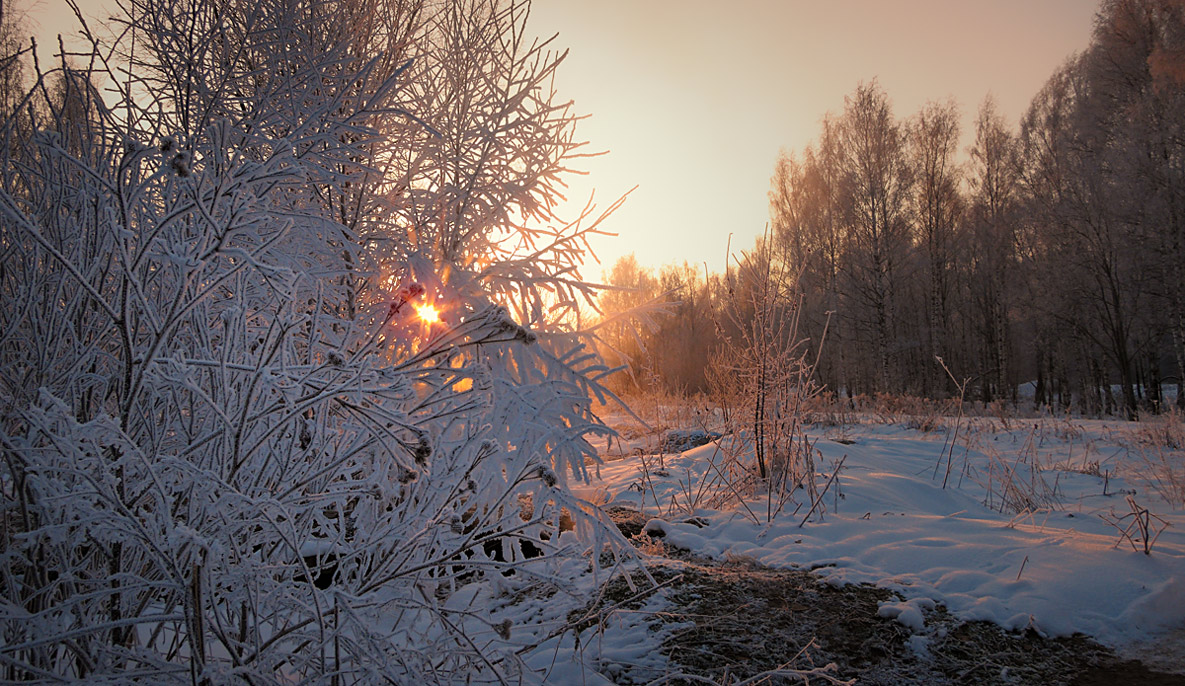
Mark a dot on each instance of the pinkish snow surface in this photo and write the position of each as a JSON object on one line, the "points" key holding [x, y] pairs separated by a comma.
{"points": [[891, 523]]}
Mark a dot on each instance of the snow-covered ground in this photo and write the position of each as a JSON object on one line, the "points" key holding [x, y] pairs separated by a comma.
{"points": [[1056, 566]]}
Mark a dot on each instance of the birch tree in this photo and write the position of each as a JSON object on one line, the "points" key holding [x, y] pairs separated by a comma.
{"points": [[995, 175], [937, 209], [876, 183]]}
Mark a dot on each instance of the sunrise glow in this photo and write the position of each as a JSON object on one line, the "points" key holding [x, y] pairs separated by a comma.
{"points": [[428, 314]]}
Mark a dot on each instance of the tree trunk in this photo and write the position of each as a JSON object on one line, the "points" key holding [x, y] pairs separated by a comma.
{"points": [[1178, 333], [1154, 395]]}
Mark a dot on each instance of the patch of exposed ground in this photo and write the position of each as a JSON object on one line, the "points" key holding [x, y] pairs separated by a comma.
{"points": [[729, 620]]}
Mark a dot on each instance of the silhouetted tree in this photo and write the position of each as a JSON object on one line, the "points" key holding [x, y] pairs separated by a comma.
{"points": [[937, 208], [876, 181]]}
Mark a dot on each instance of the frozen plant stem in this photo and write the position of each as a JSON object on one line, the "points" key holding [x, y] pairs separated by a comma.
{"points": [[949, 448], [819, 498]]}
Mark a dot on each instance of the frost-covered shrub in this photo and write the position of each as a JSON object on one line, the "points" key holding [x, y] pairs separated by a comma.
{"points": [[232, 450], [762, 381]]}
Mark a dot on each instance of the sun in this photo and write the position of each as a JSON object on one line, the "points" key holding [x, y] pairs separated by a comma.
{"points": [[428, 314]]}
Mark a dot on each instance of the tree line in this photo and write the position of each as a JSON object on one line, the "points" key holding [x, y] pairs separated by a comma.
{"points": [[1050, 255]]}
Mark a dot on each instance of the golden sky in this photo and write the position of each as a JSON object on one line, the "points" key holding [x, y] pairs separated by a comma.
{"points": [[694, 98]]}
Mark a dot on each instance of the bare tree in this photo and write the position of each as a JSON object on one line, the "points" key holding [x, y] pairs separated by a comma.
{"points": [[1133, 112], [807, 221], [995, 173], [1086, 226], [876, 183], [937, 211]]}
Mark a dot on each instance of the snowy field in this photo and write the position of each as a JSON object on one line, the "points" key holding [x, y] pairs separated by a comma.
{"points": [[1028, 531]]}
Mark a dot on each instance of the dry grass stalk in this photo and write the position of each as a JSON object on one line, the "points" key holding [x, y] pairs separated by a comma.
{"points": [[1143, 528]]}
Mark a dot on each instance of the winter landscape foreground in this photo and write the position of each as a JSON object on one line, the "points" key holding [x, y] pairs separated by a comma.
{"points": [[1032, 534]]}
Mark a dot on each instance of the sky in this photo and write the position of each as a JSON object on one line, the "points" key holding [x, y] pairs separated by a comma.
{"points": [[691, 100]]}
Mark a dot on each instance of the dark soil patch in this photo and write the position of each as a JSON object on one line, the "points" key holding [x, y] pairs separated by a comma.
{"points": [[675, 442], [1125, 672], [627, 519], [750, 619], [737, 619]]}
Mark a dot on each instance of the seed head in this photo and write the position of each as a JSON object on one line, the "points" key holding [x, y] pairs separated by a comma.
{"points": [[423, 449]]}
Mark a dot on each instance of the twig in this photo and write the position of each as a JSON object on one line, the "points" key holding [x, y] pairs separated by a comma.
{"points": [[819, 498]]}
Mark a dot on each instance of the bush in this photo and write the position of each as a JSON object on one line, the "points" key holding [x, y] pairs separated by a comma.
{"points": [[232, 450]]}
